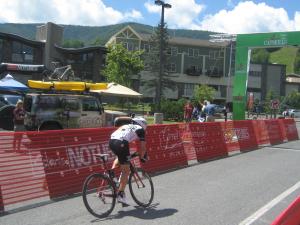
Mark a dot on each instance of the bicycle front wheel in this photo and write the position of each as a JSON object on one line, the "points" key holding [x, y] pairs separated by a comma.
{"points": [[99, 195], [141, 187]]}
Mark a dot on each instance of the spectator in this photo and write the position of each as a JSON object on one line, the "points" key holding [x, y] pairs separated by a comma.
{"points": [[18, 119], [188, 111], [226, 111], [209, 111]]}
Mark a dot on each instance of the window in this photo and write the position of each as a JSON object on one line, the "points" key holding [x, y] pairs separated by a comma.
{"points": [[196, 52], [21, 53], [146, 47], [213, 54], [223, 90], [170, 68], [174, 51], [191, 52], [89, 104], [188, 89], [255, 73]]}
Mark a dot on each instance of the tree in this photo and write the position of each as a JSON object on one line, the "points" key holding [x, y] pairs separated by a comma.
{"points": [[297, 62], [204, 92], [73, 44], [260, 56], [122, 64], [293, 100], [159, 81]]}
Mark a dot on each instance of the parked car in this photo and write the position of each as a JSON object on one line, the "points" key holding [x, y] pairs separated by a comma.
{"points": [[294, 113], [60, 111], [6, 117], [8, 99], [219, 108]]}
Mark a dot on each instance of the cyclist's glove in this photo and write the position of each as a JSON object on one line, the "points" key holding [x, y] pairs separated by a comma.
{"points": [[145, 158]]}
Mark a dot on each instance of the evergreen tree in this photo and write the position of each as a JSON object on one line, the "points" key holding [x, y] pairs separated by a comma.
{"points": [[297, 62], [260, 56], [73, 44], [159, 81]]}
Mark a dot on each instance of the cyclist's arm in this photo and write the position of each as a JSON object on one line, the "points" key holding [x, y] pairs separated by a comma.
{"points": [[142, 149]]}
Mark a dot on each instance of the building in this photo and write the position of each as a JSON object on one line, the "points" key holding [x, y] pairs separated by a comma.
{"points": [[47, 49], [192, 62], [264, 78]]}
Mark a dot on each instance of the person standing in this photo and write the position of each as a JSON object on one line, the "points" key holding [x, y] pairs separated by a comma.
{"points": [[18, 119], [209, 111], [188, 111]]}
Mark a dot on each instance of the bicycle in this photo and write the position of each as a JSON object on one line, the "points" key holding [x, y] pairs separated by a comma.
{"points": [[100, 189]]}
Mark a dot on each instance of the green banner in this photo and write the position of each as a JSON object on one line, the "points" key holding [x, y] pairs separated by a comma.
{"points": [[244, 44]]}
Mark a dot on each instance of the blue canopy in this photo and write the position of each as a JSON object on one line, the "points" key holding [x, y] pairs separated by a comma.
{"points": [[8, 83]]}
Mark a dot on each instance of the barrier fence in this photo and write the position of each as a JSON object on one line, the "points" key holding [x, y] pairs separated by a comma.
{"points": [[53, 164]]}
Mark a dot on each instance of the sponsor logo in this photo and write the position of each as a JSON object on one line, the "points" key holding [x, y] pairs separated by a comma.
{"points": [[170, 138]]}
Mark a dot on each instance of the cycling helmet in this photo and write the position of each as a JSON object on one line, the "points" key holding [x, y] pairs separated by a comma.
{"points": [[140, 121]]}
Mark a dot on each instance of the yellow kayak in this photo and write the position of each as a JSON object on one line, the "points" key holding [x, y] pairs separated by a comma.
{"points": [[66, 85]]}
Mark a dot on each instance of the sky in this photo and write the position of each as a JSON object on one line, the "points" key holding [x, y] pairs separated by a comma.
{"points": [[227, 16]]}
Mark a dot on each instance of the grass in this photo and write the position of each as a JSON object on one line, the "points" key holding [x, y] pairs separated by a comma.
{"points": [[285, 56]]}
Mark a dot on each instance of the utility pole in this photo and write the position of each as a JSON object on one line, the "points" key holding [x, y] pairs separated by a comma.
{"points": [[162, 23]]}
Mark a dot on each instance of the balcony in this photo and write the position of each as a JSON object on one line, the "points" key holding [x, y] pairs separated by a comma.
{"points": [[193, 72], [214, 73]]}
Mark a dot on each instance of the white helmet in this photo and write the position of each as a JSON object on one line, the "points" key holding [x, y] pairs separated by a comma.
{"points": [[140, 121]]}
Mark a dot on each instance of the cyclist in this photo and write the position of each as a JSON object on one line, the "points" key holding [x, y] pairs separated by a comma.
{"points": [[119, 144]]}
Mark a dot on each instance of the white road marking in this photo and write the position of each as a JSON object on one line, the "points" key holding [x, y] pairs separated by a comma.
{"points": [[268, 206], [288, 149]]}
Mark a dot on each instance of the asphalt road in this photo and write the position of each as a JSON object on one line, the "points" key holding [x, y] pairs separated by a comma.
{"points": [[247, 188]]}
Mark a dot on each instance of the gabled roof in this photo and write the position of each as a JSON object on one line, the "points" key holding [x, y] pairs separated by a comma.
{"points": [[172, 40], [128, 27]]}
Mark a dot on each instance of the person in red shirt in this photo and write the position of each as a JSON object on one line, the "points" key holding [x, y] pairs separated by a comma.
{"points": [[18, 114], [188, 111]]}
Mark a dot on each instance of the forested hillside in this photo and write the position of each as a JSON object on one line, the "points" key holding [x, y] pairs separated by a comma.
{"points": [[89, 35]]}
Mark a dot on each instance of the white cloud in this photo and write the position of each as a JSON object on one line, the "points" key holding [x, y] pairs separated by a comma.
{"points": [[79, 12], [248, 17], [183, 14]]}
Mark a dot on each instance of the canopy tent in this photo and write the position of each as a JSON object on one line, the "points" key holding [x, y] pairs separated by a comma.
{"points": [[8, 83], [114, 89]]}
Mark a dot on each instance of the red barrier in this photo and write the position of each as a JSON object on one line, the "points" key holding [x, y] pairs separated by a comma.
{"points": [[55, 163], [261, 132], [1, 201], [68, 158], [245, 134], [21, 170], [187, 141], [230, 136], [208, 140], [289, 129], [274, 131], [165, 148], [290, 216]]}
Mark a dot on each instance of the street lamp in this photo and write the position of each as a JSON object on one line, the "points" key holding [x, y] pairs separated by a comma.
{"points": [[163, 6]]}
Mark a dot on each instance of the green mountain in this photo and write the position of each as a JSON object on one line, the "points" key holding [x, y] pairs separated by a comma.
{"points": [[89, 34], [285, 56]]}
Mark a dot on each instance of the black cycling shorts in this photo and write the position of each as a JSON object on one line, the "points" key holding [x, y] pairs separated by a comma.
{"points": [[121, 149]]}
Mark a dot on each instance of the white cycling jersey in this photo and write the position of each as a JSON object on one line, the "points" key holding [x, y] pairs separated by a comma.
{"points": [[129, 132]]}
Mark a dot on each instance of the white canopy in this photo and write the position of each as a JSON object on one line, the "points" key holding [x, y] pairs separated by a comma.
{"points": [[114, 89]]}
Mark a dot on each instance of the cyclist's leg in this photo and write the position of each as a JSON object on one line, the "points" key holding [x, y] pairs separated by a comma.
{"points": [[121, 149]]}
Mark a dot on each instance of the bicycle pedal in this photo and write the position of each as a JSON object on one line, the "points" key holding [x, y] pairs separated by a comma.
{"points": [[125, 205]]}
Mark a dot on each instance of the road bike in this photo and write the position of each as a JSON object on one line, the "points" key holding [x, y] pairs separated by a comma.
{"points": [[100, 189]]}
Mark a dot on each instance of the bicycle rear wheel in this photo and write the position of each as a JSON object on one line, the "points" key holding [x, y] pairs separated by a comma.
{"points": [[99, 195], [141, 187]]}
